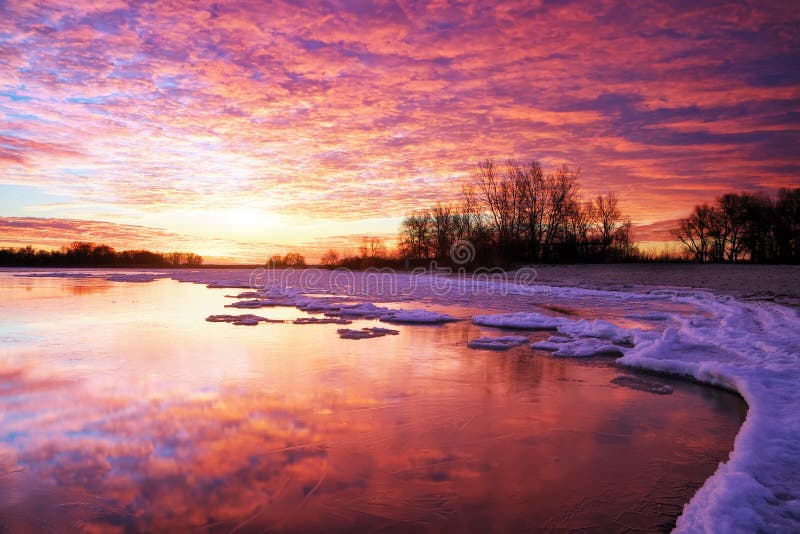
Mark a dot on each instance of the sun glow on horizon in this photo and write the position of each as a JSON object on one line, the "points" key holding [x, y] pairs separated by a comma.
{"points": [[231, 128]]}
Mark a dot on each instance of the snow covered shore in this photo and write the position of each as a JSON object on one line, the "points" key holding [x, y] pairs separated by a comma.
{"points": [[752, 347]]}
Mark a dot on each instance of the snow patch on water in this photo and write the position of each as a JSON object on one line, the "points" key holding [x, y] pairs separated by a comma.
{"points": [[519, 321], [578, 348], [573, 328], [417, 317], [498, 343], [365, 309], [321, 320], [246, 319], [366, 333]]}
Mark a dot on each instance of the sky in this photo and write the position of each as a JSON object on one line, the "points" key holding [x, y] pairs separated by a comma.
{"points": [[238, 129]]}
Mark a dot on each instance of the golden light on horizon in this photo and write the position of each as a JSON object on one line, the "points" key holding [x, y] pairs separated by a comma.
{"points": [[324, 119]]}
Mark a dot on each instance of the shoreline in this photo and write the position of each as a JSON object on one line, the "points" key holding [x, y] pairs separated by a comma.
{"points": [[745, 282]]}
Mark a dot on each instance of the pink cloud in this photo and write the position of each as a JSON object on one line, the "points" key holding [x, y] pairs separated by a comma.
{"points": [[346, 112]]}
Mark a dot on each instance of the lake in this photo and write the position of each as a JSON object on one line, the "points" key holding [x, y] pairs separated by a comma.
{"points": [[121, 407]]}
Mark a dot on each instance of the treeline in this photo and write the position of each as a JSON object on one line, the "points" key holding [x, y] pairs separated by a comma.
{"points": [[517, 212], [82, 254], [372, 252], [744, 227], [291, 259]]}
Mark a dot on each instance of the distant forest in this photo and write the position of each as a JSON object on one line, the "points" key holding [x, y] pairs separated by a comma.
{"points": [[514, 213], [81, 254], [518, 213], [744, 227]]}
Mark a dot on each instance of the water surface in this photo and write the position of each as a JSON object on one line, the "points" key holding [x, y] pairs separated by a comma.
{"points": [[121, 408]]}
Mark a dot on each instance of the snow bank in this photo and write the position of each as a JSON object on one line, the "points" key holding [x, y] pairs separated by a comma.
{"points": [[752, 348], [498, 343]]}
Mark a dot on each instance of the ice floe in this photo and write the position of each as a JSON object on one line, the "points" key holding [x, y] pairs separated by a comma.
{"points": [[365, 309], [246, 319], [575, 328], [252, 304], [519, 321], [578, 348], [366, 333], [417, 317], [498, 343], [321, 320]]}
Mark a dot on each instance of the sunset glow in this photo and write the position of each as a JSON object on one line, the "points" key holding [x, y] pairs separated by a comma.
{"points": [[238, 129]]}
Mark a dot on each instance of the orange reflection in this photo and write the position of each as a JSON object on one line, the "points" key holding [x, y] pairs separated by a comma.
{"points": [[133, 413]]}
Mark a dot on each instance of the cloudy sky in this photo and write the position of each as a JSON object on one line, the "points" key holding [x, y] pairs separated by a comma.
{"points": [[239, 128]]}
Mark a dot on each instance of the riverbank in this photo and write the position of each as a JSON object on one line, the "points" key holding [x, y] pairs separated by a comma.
{"points": [[776, 283]]}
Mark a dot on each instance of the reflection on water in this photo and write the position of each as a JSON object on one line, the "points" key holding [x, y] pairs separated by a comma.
{"points": [[123, 409]]}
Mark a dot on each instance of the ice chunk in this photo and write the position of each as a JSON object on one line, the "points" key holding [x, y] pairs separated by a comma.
{"points": [[642, 384], [262, 303], [575, 328], [245, 295], [596, 329], [321, 305], [254, 303], [246, 319], [498, 343], [366, 333], [578, 348], [321, 320], [519, 321], [365, 309], [417, 317], [549, 346]]}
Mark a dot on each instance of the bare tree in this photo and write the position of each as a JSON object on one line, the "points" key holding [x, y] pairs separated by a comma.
{"points": [[372, 248], [734, 217], [609, 218], [692, 232], [533, 204], [415, 234], [787, 219], [580, 223], [330, 258], [444, 226], [561, 186], [499, 198]]}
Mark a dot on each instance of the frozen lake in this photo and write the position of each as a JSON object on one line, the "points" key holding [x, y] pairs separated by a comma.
{"points": [[121, 407]]}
